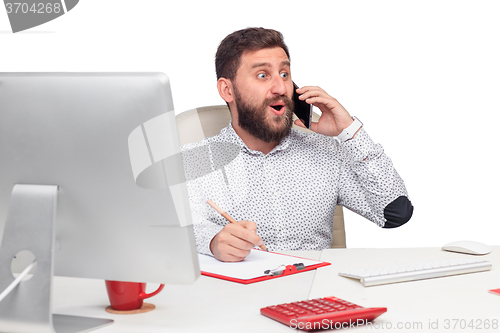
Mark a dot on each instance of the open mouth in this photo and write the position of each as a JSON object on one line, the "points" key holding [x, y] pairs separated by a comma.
{"points": [[278, 107]]}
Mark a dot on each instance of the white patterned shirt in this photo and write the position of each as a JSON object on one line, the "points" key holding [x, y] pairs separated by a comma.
{"points": [[290, 193]]}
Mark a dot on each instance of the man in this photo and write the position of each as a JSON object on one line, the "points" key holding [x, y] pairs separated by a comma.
{"points": [[283, 185]]}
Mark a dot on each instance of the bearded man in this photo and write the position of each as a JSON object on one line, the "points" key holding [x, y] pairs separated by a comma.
{"points": [[283, 185]]}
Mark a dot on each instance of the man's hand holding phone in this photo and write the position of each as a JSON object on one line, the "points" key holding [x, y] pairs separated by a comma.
{"points": [[334, 117], [235, 240]]}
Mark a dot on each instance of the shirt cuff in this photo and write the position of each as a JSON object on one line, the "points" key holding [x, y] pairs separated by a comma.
{"points": [[205, 234], [361, 147]]}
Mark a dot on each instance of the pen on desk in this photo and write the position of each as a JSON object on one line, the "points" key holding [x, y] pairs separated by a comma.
{"points": [[228, 217]]}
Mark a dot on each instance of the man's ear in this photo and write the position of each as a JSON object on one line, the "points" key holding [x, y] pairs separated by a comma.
{"points": [[225, 87]]}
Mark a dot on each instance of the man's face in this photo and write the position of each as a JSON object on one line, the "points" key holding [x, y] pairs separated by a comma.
{"points": [[263, 91]]}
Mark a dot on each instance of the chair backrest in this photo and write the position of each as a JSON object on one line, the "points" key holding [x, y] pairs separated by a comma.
{"points": [[196, 124]]}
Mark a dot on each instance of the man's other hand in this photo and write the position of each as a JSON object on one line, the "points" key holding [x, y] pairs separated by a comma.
{"points": [[334, 118]]}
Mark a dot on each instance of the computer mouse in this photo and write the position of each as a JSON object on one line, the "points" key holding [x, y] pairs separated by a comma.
{"points": [[468, 247]]}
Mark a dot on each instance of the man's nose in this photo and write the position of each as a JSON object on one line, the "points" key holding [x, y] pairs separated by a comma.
{"points": [[278, 86]]}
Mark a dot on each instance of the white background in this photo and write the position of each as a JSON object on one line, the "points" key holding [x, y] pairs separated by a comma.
{"points": [[423, 76]]}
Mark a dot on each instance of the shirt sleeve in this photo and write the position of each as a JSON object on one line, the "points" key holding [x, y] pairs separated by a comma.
{"points": [[205, 180], [370, 185], [204, 229]]}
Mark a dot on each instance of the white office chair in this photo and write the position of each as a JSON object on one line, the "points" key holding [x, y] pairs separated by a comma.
{"points": [[196, 124]]}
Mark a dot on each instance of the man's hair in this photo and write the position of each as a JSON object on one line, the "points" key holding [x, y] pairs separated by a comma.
{"points": [[228, 56]]}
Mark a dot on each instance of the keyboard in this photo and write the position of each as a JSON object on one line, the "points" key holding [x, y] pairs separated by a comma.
{"points": [[321, 313], [417, 271]]}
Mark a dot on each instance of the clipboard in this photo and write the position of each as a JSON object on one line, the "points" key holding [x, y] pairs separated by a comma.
{"points": [[258, 266]]}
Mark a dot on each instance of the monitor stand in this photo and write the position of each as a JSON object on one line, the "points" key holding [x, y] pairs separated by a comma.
{"points": [[30, 226]]}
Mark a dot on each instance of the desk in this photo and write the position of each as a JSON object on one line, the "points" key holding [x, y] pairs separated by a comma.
{"points": [[208, 305], [221, 306], [446, 304]]}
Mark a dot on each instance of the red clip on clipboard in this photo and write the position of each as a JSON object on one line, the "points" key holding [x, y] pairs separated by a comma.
{"points": [[253, 268]]}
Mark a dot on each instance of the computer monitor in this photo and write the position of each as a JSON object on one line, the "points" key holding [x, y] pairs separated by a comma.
{"points": [[103, 148]]}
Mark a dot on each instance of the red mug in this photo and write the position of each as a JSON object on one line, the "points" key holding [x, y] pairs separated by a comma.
{"points": [[126, 296]]}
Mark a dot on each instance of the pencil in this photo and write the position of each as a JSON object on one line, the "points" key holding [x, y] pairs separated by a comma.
{"points": [[227, 217]]}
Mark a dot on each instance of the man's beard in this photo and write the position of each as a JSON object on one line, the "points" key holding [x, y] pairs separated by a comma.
{"points": [[255, 121]]}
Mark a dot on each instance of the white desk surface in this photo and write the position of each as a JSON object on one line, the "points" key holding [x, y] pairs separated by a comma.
{"points": [[458, 303], [208, 305], [213, 305]]}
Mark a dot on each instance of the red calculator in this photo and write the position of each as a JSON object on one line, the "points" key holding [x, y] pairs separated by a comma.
{"points": [[321, 313]]}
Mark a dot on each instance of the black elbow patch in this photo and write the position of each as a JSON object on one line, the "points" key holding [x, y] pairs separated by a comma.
{"points": [[398, 212]]}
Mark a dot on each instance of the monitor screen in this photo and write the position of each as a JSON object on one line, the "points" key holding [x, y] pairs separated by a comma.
{"points": [[109, 142]]}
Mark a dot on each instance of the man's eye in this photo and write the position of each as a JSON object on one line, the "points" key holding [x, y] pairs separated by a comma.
{"points": [[261, 76], [284, 75]]}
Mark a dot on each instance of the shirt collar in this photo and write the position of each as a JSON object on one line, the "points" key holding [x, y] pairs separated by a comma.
{"points": [[230, 134]]}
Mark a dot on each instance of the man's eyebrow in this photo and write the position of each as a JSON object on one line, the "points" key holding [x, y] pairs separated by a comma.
{"points": [[284, 63]]}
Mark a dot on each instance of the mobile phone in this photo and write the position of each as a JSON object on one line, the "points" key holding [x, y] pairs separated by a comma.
{"points": [[302, 110]]}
